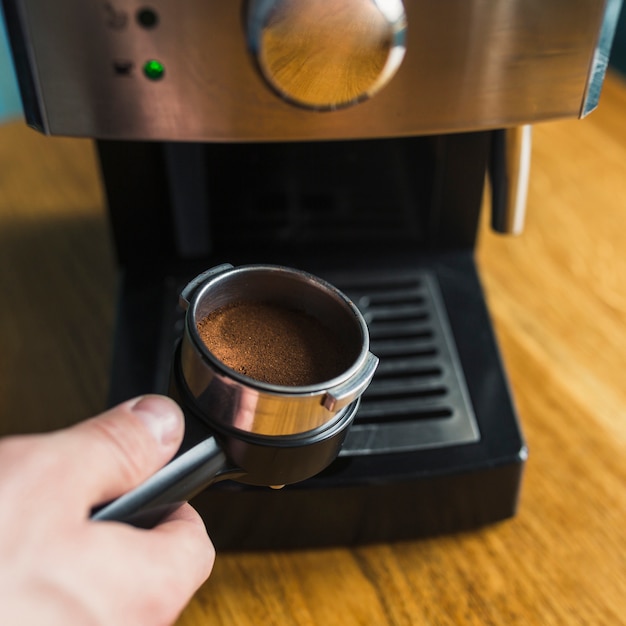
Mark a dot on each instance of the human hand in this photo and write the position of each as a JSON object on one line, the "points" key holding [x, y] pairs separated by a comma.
{"points": [[59, 567]]}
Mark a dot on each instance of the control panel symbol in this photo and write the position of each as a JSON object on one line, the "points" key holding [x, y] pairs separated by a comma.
{"points": [[117, 19], [123, 67]]}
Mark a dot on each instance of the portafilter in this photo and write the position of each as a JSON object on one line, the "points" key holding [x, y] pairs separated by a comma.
{"points": [[264, 432]]}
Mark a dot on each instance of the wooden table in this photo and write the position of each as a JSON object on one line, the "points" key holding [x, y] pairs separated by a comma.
{"points": [[558, 298]]}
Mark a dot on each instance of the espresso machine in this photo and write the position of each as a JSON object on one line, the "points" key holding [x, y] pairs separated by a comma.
{"points": [[354, 139]]}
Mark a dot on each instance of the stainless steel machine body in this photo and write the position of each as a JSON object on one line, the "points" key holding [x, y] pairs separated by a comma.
{"points": [[469, 65]]}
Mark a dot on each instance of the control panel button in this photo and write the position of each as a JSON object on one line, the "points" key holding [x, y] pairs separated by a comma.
{"points": [[147, 17]]}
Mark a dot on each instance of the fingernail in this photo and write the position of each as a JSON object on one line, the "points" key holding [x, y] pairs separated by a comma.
{"points": [[162, 417]]}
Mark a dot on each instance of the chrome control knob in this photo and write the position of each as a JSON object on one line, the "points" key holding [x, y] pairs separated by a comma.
{"points": [[327, 54]]}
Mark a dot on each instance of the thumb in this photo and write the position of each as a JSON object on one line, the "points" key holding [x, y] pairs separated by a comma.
{"points": [[119, 449]]}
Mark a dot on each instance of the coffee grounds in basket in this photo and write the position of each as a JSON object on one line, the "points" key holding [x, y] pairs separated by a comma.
{"points": [[273, 343]]}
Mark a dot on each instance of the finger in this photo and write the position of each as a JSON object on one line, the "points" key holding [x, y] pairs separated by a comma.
{"points": [[190, 547], [185, 552], [117, 450], [162, 567]]}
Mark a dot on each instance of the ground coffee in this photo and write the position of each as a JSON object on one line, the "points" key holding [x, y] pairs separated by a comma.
{"points": [[273, 343]]}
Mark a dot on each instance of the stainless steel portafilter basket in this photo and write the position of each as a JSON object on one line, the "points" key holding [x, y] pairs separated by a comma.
{"points": [[263, 433], [230, 399]]}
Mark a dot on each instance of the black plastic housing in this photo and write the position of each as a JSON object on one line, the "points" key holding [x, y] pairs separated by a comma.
{"points": [[390, 208]]}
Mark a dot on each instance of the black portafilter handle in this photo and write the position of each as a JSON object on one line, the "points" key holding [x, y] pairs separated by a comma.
{"points": [[169, 488]]}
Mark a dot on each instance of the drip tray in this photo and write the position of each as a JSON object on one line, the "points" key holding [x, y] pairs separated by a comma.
{"points": [[418, 398]]}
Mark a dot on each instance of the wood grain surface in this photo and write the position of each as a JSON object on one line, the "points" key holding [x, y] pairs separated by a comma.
{"points": [[558, 299]]}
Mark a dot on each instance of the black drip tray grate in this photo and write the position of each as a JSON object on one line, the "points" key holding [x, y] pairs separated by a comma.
{"points": [[418, 398]]}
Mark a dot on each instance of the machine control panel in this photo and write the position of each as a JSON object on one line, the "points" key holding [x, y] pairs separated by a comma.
{"points": [[277, 70]]}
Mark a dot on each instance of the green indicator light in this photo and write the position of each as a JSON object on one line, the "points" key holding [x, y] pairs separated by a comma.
{"points": [[154, 69]]}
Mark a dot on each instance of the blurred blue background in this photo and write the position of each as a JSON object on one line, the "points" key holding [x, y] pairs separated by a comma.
{"points": [[10, 105]]}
